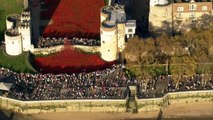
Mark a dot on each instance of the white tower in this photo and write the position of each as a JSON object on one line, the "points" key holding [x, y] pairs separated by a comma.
{"points": [[25, 30], [10, 22], [13, 43], [109, 45], [113, 31]]}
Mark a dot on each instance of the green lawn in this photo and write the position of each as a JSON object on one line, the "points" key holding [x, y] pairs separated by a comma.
{"points": [[15, 63], [8, 7], [106, 2]]}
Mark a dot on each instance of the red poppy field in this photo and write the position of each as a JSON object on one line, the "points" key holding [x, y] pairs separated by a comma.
{"points": [[73, 18], [70, 61]]}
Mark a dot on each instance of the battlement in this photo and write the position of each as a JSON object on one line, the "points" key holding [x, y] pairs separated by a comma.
{"points": [[12, 32], [24, 25], [12, 21], [119, 8], [25, 15]]}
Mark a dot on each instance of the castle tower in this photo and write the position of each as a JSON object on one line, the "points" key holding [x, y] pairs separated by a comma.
{"points": [[13, 42], [25, 30], [12, 21], [109, 44], [114, 28]]}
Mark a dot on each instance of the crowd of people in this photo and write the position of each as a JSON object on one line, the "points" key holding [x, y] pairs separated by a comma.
{"points": [[110, 83], [48, 42], [196, 82], [160, 85], [105, 84], [151, 87], [4, 73]]}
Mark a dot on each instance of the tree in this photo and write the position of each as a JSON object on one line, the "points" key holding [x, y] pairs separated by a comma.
{"points": [[181, 66]]}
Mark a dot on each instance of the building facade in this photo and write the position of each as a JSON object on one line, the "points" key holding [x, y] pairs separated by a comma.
{"points": [[185, 13], [176, 15]]}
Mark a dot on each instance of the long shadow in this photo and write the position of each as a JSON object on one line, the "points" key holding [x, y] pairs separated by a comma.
{"points": [[48, 8], [138, 10]]}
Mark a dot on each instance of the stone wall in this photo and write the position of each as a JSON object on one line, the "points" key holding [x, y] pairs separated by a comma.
{"points": [[155, 104], [48, 50], [31, 107], [54, 49], [103, 105]]}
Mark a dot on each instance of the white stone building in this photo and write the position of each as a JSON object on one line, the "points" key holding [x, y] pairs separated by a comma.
{"points": [[114, 29], [18, 33]]}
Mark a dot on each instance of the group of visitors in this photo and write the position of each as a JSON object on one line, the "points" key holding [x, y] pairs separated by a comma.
{"points": [[110, 83], [105, 84], [152, 87], [48, 42], [195, 82], [160, 85]]}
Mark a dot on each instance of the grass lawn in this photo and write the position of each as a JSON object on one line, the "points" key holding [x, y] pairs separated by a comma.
{"points": [[8, 7], [15, 63]]}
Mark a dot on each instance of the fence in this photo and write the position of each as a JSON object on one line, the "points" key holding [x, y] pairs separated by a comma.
{"points": [[104, 105]]}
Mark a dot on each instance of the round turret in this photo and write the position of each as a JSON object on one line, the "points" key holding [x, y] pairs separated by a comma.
{"points": [[105, 11], [13, 42], [108, 41], [12, 20]]}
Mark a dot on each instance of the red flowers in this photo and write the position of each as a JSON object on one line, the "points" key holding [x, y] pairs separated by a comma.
{"points": [[73, 18], [70, 61]]}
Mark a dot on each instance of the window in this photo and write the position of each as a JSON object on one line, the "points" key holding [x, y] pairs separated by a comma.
{"points": [[179, 15], [204, 8], [180, 9], [192, 7], [129, 30], [192, 16], [12, 42]]}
